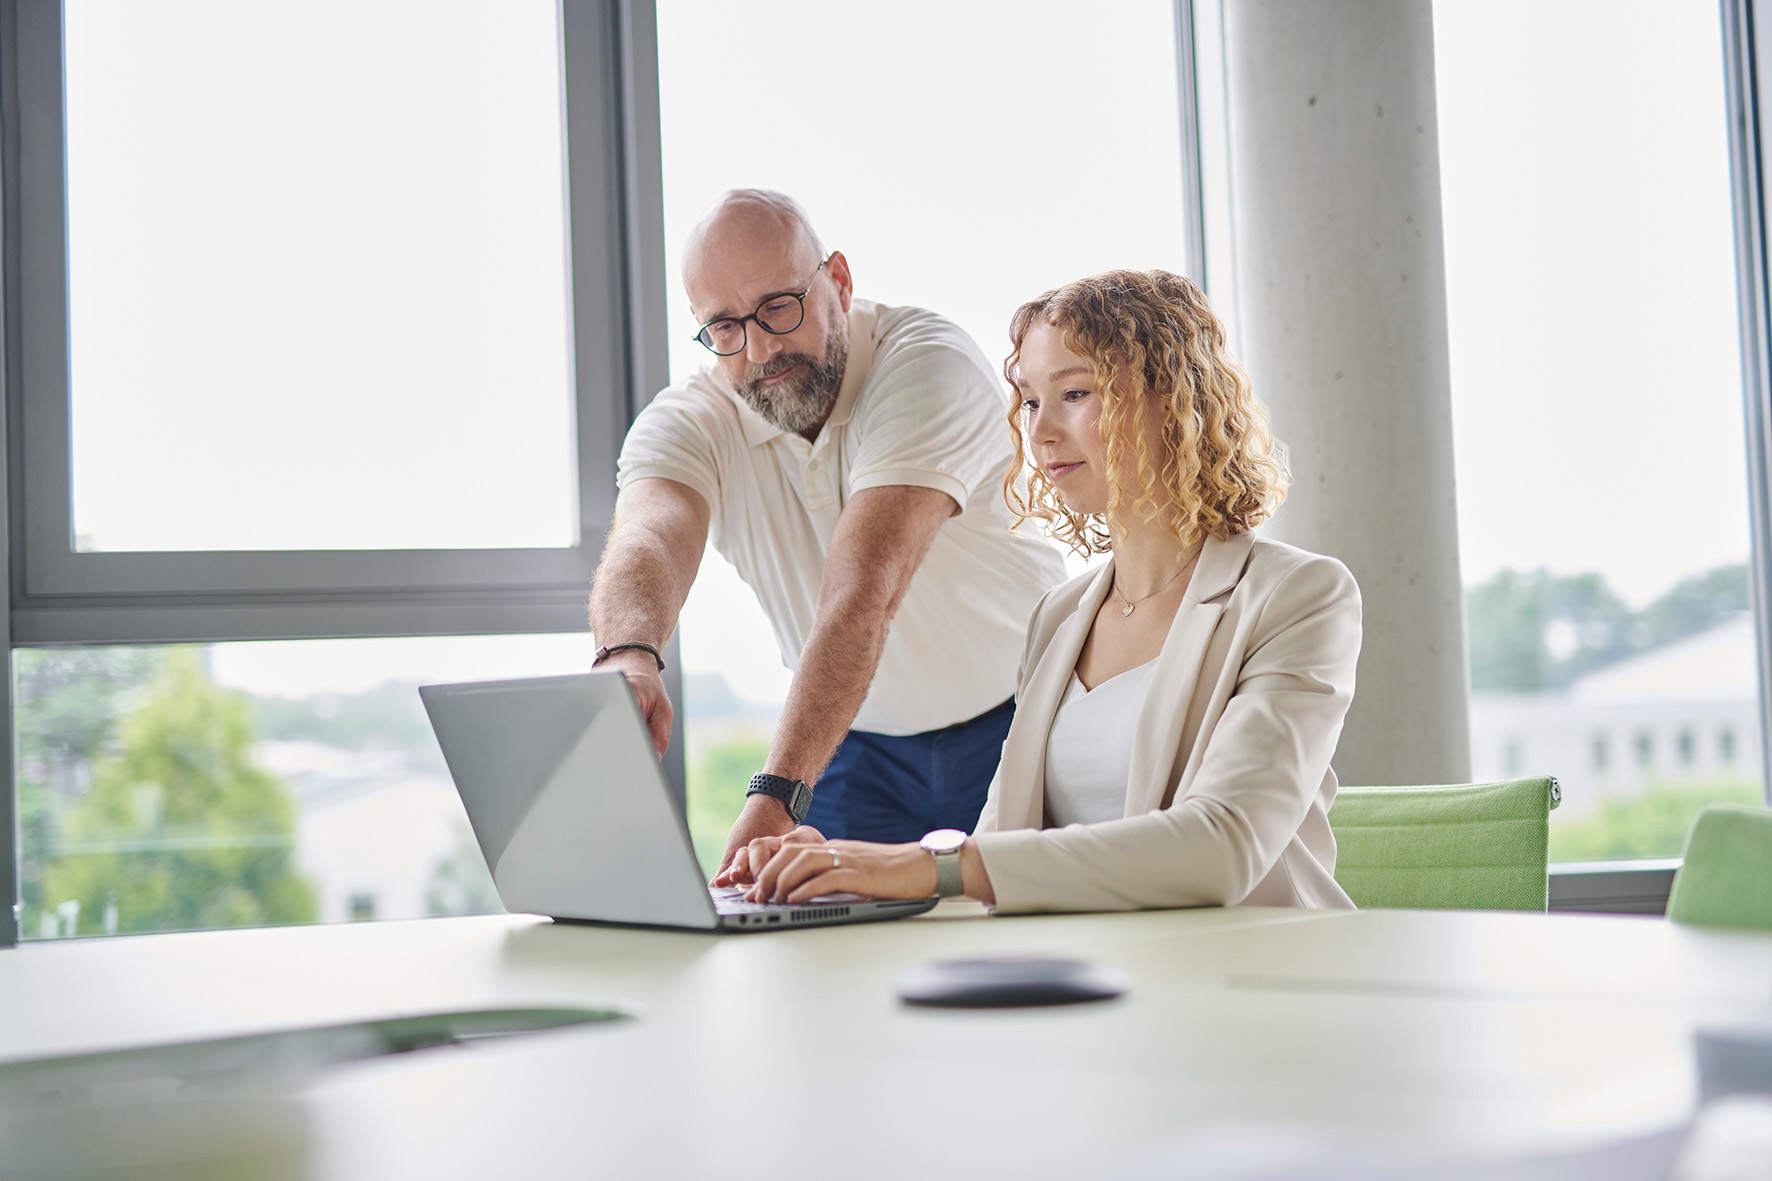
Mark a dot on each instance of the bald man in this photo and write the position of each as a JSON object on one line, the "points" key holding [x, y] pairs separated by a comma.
{"points": [[848, 459]]}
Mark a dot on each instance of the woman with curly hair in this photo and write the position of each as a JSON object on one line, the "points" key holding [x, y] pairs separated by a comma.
{"points": [[1177, 707]]}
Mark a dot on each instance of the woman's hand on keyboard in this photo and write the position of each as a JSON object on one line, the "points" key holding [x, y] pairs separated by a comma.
{"points": [[799, 870]]}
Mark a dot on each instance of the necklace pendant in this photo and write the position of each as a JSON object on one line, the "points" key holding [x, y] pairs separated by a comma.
{"points": [[1128, 610]]}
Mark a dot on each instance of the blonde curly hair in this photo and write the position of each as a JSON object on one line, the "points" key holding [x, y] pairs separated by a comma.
{"points": [[1215, 468]]}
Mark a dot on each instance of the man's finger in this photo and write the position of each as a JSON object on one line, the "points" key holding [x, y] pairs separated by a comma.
{"points": [[726, 861], [767, 873], [659, 722], [759, 851]]}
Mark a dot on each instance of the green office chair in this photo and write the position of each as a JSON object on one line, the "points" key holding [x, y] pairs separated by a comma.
{"points": [[1726, 877], [1472, 846]]}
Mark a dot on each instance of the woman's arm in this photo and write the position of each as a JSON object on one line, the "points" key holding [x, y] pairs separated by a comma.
{"points": [[1264, 762], [799, 870]]}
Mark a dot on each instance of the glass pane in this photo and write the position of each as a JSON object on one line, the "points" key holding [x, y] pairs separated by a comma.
{"points": [[1596, 385], [318, 280], [180, 788], [968, 196]]}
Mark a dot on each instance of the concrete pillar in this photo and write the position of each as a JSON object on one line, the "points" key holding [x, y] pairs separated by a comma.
{"points": [[1340, 277]]}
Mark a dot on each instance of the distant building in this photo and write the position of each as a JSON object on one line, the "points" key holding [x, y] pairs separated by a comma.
{"points": [[1684, 713], [371, 830]]}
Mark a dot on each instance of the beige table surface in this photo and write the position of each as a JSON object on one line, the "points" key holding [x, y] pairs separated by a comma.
{"points": [[786, 1054]]}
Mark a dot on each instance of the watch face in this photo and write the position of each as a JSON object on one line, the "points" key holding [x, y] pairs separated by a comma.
{"points": [[944, 840]]}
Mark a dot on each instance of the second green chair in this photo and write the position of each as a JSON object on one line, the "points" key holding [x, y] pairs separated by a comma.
{"points": [[1725, 878], [1473, 846]]}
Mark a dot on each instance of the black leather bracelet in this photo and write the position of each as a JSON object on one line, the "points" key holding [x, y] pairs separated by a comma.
{"points": [[640, 645], [795, 794]]}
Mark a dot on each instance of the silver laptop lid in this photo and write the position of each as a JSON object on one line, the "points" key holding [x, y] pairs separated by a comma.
{"points": [[567, 800]]}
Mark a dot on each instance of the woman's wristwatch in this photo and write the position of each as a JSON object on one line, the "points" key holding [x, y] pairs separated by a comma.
{"points": [[944, 844]]}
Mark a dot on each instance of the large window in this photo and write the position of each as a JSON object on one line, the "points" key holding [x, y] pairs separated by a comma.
{"points": [[327, 300], [324, 322], [325, 319], [307, 325], [1596, 382], [964, 158]]}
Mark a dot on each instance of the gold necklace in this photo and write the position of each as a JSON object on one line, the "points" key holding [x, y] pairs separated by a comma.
{"points": [[1131, 604]]}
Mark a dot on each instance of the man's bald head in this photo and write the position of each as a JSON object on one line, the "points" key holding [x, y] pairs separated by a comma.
{"points": [[754, 247], [748, 229]]}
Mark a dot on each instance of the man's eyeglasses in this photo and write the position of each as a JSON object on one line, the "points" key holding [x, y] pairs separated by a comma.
{"points": [[778, 315]]}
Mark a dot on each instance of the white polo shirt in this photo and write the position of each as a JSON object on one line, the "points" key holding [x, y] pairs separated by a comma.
{"points": [[919, 405]]}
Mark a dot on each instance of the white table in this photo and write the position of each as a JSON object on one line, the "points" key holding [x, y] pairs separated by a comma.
{"points": [[787, 1054]]}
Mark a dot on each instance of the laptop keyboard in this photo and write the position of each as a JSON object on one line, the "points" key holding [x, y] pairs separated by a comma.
{"points": [[731, 900]]}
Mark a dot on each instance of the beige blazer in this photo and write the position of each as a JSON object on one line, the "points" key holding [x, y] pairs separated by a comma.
{"points": [[1228, 798]]}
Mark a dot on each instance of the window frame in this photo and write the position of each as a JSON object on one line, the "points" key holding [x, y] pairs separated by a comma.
{"points": [[60, 595], [609, 73], [1642, 887], [1613, 886], [1749, 117]]}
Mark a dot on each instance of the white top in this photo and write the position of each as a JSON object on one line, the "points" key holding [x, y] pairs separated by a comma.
{"points": [[1228, 792], [1089, 751], [919, 405]]}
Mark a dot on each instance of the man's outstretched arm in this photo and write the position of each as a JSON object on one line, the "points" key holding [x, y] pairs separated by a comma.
{"points": [[648, 565], [880, 540]]}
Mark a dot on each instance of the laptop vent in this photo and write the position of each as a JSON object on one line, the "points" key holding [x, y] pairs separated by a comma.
{"points": [[818, 912]]}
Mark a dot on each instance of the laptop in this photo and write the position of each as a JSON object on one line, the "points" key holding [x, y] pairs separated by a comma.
{"points": [[575, 819]]}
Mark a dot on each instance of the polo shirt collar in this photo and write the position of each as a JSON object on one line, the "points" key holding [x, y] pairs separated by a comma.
{"points": [[863, 317]]}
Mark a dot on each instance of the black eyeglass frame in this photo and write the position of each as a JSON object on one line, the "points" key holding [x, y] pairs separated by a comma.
{"points": [[702, 338]]}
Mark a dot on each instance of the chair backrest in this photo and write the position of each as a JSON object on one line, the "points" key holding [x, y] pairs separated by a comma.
{"points": [[1471, 846], [1725, 879]]}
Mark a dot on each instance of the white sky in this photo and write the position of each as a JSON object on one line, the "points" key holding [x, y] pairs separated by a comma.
{"points": [[318, 275], [1591, 289], [1588, 243]]}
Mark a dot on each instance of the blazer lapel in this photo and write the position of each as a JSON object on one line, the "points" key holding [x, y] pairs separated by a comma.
{"points": [[1156, 737], [1023, 772]]}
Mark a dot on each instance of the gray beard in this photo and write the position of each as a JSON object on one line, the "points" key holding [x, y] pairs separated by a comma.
{"points": [[804, 400]]}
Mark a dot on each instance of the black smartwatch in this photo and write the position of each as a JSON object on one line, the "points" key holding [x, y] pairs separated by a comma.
{"points": [[795, 794]]}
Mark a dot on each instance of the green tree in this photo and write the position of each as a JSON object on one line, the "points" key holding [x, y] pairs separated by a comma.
{"points": [[68, 703], [1535, 631], [717, 778], [180, 830], [1693, 605], [1539, 630], [1652, 824], [386, 717]]}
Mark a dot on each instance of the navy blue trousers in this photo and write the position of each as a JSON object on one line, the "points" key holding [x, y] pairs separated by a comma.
{"points": [[892, 788]]}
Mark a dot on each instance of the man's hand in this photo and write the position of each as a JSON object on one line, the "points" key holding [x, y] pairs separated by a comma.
{"points": [[742, 870], [763, 816], [641, 670]]}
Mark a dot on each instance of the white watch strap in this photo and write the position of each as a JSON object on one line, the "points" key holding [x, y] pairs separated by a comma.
{"points": [[948, 883]]}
